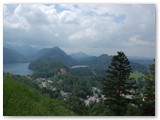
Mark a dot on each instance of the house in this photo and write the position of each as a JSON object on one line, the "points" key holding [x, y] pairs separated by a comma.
{"points": [[63, 71], [95, 90], [94, 98], [91, 99], [40, 80], [49, 81], [64, 94]]}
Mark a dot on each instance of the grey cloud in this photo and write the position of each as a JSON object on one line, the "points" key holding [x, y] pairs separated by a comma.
{"points": [[99, 27]]}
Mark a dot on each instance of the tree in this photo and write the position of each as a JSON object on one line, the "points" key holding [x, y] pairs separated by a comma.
{"points": [[77, 105], [118, 87], [148, 104]]}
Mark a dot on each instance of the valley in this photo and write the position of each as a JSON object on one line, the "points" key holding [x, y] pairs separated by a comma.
{"points": [[72, 78]]}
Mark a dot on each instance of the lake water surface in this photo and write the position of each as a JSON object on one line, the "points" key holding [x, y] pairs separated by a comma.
{"points": [[79, 66], [17, 68]]}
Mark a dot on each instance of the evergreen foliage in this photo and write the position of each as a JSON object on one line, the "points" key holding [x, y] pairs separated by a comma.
{"points": [[118, 88], [148, 104]]}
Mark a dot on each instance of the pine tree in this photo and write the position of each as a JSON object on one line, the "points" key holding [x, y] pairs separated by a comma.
{"points": [[118, 88], [148, 104]]}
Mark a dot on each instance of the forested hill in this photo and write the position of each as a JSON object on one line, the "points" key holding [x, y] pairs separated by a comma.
{"points": [[12, 56], [48, 56], [58, 55], [39, 53], [54, 54]]}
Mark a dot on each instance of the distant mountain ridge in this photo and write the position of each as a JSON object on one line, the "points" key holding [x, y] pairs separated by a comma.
{"points": [[12, 56], [25, 50], [56, 54], [52, 55], [79, 55], [39, 53], [139, 58]]}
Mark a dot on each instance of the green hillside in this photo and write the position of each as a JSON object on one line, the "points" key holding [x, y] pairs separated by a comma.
{"points": [[12, 56], [21, 100]]}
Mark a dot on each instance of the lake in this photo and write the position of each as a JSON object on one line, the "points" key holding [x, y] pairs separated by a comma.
{"points": [[17, 68], [79, 66]]}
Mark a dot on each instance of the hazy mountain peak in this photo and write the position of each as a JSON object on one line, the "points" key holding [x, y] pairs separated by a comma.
{"points": [[104, 55], [56, 48], [79, 55], [12, 56]]}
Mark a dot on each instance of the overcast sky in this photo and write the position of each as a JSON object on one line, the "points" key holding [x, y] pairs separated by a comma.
{"points": [[91, 28]]}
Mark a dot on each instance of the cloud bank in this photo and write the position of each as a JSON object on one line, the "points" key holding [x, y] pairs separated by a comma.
{"points": [[92, 28]]}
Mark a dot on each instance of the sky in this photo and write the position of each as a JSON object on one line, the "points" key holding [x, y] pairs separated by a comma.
{"points": [[91, 28]]}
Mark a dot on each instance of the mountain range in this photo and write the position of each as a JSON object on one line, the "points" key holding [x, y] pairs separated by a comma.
{"points": [[24, 49], [56, 54], [79, 55], [12, 56]]}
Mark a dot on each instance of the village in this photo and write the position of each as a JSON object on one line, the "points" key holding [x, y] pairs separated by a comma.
{"points": [[48, 84], [96, 93]]}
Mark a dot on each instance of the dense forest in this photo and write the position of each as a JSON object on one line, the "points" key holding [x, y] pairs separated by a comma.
{"points": [[85, 86]]}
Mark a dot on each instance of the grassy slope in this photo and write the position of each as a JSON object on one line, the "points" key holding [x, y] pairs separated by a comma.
{"points": [[136, 75], [21, 100]]}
